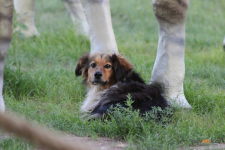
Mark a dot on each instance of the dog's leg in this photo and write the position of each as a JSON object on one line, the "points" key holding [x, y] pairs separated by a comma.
{"points": [[6, 13], [77, 16], [101, 32], [26, 12], [169, 67]]}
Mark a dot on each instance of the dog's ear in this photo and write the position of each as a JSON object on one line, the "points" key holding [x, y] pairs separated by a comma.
{"points": [[83, 61], [121, 66]]}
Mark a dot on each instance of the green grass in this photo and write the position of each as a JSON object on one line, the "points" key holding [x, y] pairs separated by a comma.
{"points": [[40, 83]]}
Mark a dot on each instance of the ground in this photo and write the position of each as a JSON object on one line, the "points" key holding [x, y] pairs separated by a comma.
{"points": [[40, 83]]}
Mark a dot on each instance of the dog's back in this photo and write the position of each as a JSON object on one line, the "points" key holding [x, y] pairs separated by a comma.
{"points": [[109, 79], [144, 96]]}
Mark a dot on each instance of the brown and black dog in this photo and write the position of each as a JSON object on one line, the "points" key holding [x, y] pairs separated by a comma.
{"points": [[109, 79]]}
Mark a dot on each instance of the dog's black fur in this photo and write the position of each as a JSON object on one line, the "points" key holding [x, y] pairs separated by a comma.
{"points": [[144, 96]]}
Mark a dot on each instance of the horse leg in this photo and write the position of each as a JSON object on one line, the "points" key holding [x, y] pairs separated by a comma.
{"points": [[26, 12], [77, 16], [6, 14], [169, 67], [100, 26]]}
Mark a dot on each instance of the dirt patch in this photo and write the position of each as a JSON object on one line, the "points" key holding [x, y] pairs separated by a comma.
{"points": [[4, 136], [100, 143], [211, 146]]}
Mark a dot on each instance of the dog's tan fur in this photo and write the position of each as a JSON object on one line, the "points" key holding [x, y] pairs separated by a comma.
{"points": [[103, 63]]}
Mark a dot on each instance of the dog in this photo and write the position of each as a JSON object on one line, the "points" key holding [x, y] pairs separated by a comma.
{"points": [[109, 78]]}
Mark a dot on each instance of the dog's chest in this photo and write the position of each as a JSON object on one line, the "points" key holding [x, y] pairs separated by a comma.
{"points": [[92, 99]]}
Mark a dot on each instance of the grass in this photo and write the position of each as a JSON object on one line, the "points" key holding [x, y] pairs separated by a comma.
{"points": [[40, 83]]}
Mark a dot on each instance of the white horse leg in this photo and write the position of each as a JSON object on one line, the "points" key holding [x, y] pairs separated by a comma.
{"points": [[26, 12], [99, 20], [169, 67], [6, 13], [77, 16]]}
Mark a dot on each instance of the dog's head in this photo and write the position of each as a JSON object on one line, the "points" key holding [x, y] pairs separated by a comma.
{"points": [[103, 69]]}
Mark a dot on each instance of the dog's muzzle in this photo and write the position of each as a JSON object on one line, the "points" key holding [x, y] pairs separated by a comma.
{"points": [[97, 78], [98, 75]]}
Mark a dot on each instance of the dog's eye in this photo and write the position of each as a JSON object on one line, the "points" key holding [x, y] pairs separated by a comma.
{"points": [[107, 66], [93, 65]]}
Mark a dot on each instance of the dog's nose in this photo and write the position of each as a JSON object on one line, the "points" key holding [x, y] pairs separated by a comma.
{"points": [[98, 75]]}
